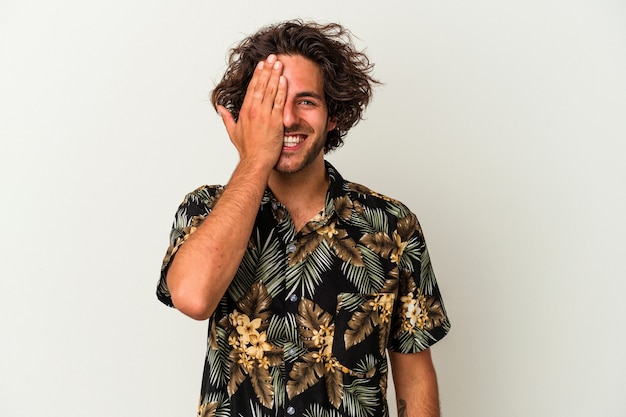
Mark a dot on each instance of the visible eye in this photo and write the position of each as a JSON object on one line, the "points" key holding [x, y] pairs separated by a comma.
{"points": [[307, 102]]}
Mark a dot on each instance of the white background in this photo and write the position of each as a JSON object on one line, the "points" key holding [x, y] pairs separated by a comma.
{"points": [[502, 124]]}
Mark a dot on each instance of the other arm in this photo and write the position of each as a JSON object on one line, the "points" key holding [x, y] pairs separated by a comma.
{"points": [[415, 381]]}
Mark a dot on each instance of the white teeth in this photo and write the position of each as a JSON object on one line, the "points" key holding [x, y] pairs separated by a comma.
{"points": [[292, 140]]}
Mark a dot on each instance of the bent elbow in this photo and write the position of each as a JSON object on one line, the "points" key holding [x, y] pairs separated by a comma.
{"points": [[192, 307], [189, 300], [197, 315]]}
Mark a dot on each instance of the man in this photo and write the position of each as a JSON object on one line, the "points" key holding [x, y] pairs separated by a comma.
{"points": [[308, 281]]}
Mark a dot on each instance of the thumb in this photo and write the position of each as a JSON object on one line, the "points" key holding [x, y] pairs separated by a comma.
{"points": [[227, 119]]}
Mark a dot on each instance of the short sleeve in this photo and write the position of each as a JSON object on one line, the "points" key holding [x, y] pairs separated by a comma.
{"points": [[192, 211], [419, 318]]}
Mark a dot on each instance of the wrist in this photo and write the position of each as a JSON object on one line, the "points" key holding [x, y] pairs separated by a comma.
{"points": [[257, 163]]}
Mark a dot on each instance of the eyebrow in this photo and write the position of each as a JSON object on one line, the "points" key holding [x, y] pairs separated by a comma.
{"points": [[309, 94]]}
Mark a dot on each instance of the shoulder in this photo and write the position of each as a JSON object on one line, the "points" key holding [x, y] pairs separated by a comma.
{"points": [[374, 200], [353, 200], [206, 195], [198, 203]]}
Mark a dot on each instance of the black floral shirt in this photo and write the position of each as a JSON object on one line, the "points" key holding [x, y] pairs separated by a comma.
{"points": [[305, 325]]}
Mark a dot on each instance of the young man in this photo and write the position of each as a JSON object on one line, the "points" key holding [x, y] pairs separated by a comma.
{"points": [[308, 280]]}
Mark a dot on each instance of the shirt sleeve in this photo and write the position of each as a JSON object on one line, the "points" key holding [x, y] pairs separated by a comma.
{"points": [[419, 318], [192, 211]]}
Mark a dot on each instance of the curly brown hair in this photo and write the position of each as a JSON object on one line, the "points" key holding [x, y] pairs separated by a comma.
{"points": [[346, 71]]}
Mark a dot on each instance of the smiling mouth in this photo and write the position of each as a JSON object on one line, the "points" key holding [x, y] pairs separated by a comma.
{"points": [[292, 140]]}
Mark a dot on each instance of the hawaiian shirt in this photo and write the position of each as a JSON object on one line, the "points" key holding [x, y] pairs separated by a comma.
{"points": [[306, 323]]}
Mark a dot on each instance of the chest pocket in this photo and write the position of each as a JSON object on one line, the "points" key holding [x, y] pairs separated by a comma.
{"points": [[362, 327]]}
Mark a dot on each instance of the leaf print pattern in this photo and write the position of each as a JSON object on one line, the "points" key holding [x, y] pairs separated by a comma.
{"points": [[419, 312], [207, 409], [375, 313], [181, 234], [344, 207], [318, 333], [435, 315], [251, 354], [213, 405], [393, 246], [380, 243], [314, 233], [310, 315]]}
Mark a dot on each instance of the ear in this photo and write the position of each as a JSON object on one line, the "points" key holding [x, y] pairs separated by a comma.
{"points": [[332, 123]]}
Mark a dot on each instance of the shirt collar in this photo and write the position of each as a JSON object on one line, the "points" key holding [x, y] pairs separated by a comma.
{"points": [[335, 190], [335, 181]]}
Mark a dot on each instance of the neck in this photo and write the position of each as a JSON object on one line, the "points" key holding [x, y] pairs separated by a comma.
{"points": [[308, 184], [303, 193]]}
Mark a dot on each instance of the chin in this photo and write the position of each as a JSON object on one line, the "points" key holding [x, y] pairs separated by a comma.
{"points": [[288, 168], [291, 164]]}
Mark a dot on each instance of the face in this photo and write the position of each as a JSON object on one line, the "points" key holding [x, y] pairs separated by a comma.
{"points": [[305, 117]]}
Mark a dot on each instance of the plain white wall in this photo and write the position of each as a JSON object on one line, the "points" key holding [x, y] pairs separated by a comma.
{"points": [[501, 124]]}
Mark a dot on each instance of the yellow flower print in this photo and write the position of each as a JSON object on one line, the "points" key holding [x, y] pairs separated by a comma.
{"points": [[323, 336], [314, 233], [374, 313], [396, 255], [248, 328], [327, 231], [248, 341], [234, 341], [414, 314], [382, 301], [264, 363], [236, 318], [258, 345], [384, 316], [332, 365], [252, 353], [245, 361], [323, 340], [383, 304]]}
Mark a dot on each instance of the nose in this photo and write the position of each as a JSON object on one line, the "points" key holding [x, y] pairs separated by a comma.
{"points": [[290, 115]]}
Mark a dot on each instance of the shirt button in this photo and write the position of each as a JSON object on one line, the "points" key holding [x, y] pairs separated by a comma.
{"points": [[291, 411], [293, 298], [292, 352], [291, 248]]}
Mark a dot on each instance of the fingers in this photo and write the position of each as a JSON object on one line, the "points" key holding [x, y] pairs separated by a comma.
{"points": [[271, 87], [280, 97], [264, 85], [258, 132]]}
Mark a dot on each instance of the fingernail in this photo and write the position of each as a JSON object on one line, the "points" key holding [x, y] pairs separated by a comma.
{"points": [[271, 58], [260, 65]]}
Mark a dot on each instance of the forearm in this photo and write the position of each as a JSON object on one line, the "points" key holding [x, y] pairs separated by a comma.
{"points": [[415, 381], [423, 403], [206, 263]]}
